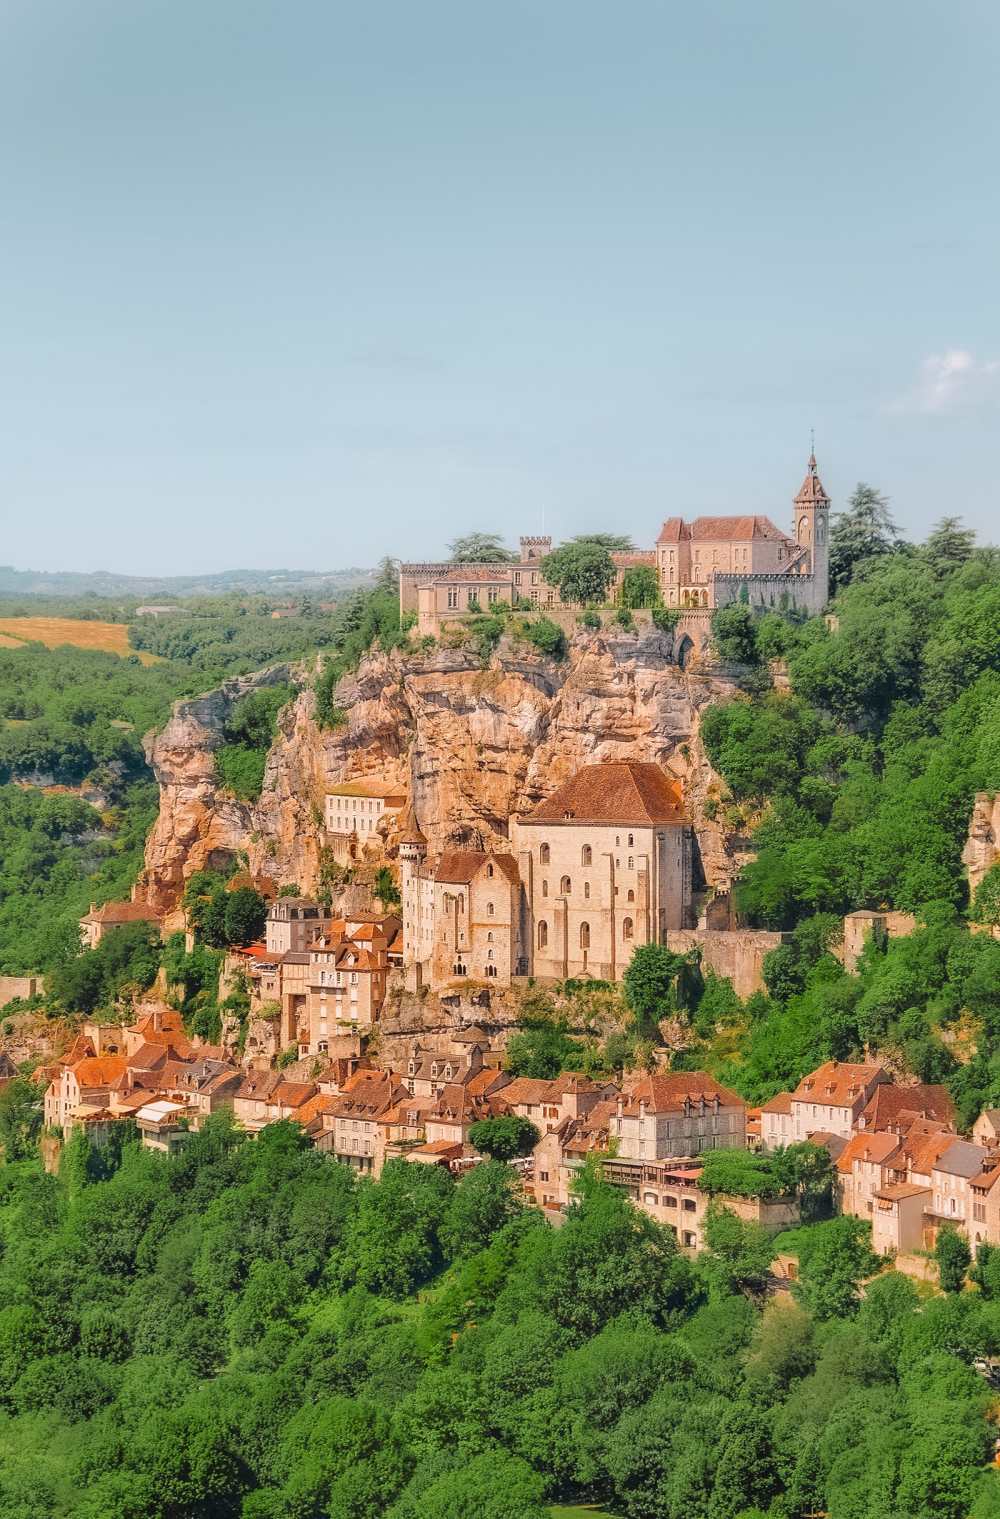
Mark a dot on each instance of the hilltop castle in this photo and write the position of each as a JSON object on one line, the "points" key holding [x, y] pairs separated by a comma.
{"points": [[701, 565]]}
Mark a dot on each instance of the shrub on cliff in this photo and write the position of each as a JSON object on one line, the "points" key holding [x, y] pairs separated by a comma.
{"points": [[249, 732], [546, 636]]}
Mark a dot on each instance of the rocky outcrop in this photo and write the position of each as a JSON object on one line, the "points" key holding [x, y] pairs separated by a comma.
{"points": [[198, 824], [981, 847], [471, 745]]}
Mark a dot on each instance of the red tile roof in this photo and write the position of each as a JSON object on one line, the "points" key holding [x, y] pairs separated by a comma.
{"points": [[899, 1105], [668, 1093], [460, 866], [742, 529], [122, 912], [620, 791], [836, 1084]]}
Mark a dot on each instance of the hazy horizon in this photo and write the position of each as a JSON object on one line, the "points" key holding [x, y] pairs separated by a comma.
{"points": [[314, 284]]}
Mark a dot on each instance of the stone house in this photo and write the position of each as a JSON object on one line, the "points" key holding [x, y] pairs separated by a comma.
{"points": [[353, 811], [776, 1125], [164, 1125], [547, 1104], [986, 1129], [250, 1100], [895, 1108], [100, 920], [864, 1166], [680, 1114], [86, 1084], [292, 923], [898, 1217], [354, 1116], [951, 1174], [833, 1098]]}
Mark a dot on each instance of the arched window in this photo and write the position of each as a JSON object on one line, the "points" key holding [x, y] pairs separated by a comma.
{"points": [[544, 854], [627, 928], [545, 888], [489, 954], [489, 909], [631, 862], [489, 870], [565, 886], [586, 855], [489, 938], [543, 934], [584, 935], [631, 840], [586, 891], [631, 895]]}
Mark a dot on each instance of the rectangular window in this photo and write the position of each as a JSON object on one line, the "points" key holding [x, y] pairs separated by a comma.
{"points": [[452, 596]]}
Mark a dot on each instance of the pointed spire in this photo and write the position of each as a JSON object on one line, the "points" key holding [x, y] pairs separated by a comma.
{"points": [[811, 492], [411, 833]]}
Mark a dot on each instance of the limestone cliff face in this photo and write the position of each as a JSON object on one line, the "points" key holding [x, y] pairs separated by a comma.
{"points": [[982, 847], [471, 745], [198, 824]]}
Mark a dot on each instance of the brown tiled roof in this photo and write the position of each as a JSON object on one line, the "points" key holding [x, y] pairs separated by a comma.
{"points": [[459, 866], [96, 1071], [836, 1084], [735, 530], [621, 791], [901, 1189], [925, 1140], [876, 1149], [632, 558], [122, 912], [892, 1104], [668, 1093], [674, 530], [292, 1094], [781, 1102]]}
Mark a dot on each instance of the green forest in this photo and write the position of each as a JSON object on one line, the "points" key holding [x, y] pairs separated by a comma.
{"points": [[77, 797], [856, 787], [248, 1330]]}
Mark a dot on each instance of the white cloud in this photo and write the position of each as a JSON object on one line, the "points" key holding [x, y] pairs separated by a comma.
{"points": [[948, 380]]}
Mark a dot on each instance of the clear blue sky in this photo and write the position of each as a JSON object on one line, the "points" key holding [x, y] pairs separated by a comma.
{"points": [[306, 282]]}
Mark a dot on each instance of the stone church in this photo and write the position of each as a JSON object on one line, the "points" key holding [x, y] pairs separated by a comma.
{"points": [[599, 867]]}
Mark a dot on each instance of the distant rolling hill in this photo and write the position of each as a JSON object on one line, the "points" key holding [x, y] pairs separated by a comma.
{"points": [[105, 583]]}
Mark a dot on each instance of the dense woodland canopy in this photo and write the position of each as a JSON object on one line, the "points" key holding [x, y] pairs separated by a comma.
{"points": [[858, 787], [248, 1330]]}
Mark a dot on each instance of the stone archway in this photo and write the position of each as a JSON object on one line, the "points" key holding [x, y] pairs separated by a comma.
{"points": [[685, 649]]}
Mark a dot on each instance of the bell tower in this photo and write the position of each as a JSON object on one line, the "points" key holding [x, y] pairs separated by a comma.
{"points": [[812, 532]]}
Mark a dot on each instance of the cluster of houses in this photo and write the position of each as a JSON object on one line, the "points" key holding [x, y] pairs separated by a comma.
{"points": [[898, 1159], [900, 1163]]}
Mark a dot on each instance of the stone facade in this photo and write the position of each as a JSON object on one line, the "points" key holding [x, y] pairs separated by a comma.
{"points": [[861, 926], [600, 866], [704, 564]]}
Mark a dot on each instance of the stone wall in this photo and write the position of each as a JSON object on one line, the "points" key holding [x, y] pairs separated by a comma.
{"points": [[738, 954], [19, 986], [859, 927]]}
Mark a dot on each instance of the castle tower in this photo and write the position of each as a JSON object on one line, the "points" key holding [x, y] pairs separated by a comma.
{"points": [[412, 853], [812, 531]]}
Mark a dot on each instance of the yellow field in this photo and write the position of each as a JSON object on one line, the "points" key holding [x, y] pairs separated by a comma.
{"points": [[112, 637]]}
